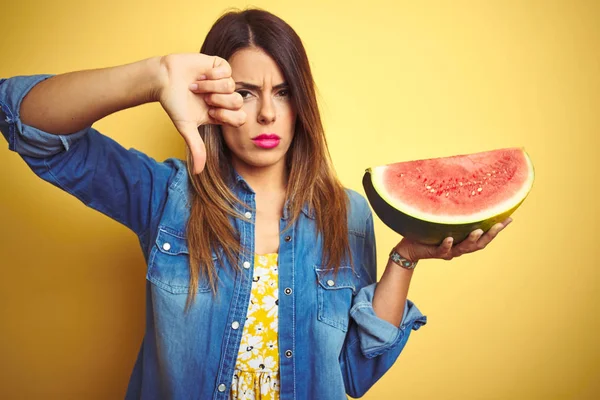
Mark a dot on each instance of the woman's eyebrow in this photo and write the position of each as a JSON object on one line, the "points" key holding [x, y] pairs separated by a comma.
{"points": [[250, 86]]}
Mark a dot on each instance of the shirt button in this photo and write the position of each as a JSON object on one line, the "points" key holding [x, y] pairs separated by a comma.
{"points": [[248, 215], [246, 264], [167, 246], [288, 238], [288, 353], [235, 324], [330, 283], [287, 291], [222, 387]]}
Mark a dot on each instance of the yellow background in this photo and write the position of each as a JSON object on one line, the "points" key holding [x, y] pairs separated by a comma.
{"points": [[398, 80]]}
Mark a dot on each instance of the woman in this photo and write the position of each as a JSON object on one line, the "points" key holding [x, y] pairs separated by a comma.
{"points": [[261, 279]]}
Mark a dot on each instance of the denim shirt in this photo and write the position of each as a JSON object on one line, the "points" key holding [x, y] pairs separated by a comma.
{"points": [[331, 342]]}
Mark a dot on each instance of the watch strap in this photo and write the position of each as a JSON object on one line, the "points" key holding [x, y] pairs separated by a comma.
{"points": [[401, 261]]}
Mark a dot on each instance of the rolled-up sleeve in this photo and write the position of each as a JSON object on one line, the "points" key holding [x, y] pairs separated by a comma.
{"points": [[372, 344], [24, 139], [378, 335], [124, 184]]}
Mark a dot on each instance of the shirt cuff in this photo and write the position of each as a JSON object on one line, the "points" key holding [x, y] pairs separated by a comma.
{"points": [[24, 139], [377, 335]]}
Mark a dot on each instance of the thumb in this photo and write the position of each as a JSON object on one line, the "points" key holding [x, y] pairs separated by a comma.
{"points": [[190, 134], [419, 251], [220, 70]]}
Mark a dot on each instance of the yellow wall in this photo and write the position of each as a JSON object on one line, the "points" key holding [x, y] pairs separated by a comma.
{"points": [[398, 80]]}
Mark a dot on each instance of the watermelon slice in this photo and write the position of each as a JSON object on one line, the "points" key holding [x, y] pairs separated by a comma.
{"points": [[429, 200]]}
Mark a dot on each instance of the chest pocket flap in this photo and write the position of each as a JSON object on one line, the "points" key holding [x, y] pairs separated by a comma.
{"points": [[334, 295], [169, 263]]}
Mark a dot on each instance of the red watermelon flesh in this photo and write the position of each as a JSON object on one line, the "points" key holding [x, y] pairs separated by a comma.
{"points": [[426, 199]]}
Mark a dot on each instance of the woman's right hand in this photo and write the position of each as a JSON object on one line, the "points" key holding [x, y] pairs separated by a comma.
{"points": [[213, 102]]}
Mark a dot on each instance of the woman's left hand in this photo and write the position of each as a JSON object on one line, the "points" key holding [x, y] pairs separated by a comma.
{"points": [[476, 240]]}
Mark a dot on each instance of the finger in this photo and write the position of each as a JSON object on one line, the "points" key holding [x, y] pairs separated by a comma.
{"points": [[220, 70], [445, 249], [226, 86], [189, 132], [229, 117], [233, 101], [469, 244], [474, 236], [489, 236]]}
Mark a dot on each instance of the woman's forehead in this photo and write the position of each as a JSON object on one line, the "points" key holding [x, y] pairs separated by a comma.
{"points": [[254, 66]]}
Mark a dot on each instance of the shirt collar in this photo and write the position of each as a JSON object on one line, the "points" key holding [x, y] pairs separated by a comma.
{"points": [[240, 182]]}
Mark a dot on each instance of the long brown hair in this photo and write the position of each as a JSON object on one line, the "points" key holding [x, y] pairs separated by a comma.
{"points": [[312, 179]]}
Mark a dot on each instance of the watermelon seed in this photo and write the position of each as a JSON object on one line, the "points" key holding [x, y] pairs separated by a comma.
{"points": [[473, 193], [480, 189], [460, 183], [427, 187], [432, 190], [447, 194]]}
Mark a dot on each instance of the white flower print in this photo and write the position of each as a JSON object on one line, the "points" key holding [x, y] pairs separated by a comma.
{"points": [[261, 364], [269, 385], [270, 304], [270, 363], [275, 385], [250, 347], [258, 328], [254, 305], [262, 274], [250, 319], [256, 374]]}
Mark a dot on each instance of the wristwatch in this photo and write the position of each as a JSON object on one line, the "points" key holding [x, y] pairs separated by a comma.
{"points": [[401, 261]]}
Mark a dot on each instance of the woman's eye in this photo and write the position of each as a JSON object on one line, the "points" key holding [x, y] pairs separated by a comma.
{"points": [[284, 93], [244, 93]]}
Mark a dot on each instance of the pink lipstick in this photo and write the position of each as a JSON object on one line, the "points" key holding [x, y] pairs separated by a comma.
{"points": [[266, 141]]}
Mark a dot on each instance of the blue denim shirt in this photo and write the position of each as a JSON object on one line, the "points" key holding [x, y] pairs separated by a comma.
{"points": [[331, 342]]}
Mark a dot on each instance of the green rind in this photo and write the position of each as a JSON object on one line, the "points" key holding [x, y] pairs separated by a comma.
{"points": [[425, 232]]}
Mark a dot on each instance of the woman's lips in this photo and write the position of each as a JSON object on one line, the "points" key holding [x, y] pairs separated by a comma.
{"points": [[266, 141]]}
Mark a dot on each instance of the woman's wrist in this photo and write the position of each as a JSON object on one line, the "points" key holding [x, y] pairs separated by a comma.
{"points": [[405, 252], [159, 77]]}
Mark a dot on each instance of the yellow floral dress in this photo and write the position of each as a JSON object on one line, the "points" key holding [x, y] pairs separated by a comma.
{"points": [[256, 375]]}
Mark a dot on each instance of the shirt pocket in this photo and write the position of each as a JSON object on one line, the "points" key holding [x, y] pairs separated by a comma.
{"points": [[335, 294], [168, 267]]}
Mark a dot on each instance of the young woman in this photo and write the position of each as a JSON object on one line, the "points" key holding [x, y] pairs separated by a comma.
{"points": [[261, 278]]}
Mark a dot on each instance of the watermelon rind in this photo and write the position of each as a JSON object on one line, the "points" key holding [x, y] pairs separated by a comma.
{"points": [[433, 229]]}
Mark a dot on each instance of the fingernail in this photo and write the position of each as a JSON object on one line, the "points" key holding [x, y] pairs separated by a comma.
{"points": [[211, 112], [194, 86], [202, 77]]}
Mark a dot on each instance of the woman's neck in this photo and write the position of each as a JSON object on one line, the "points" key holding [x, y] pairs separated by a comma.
{"points": [[270, 179]]}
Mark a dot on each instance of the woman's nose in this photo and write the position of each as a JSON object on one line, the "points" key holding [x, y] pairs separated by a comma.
{"points": [[266, 113]]}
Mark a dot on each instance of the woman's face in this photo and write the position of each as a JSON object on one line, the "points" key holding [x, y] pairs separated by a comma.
{"points": [[271, 117]]}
